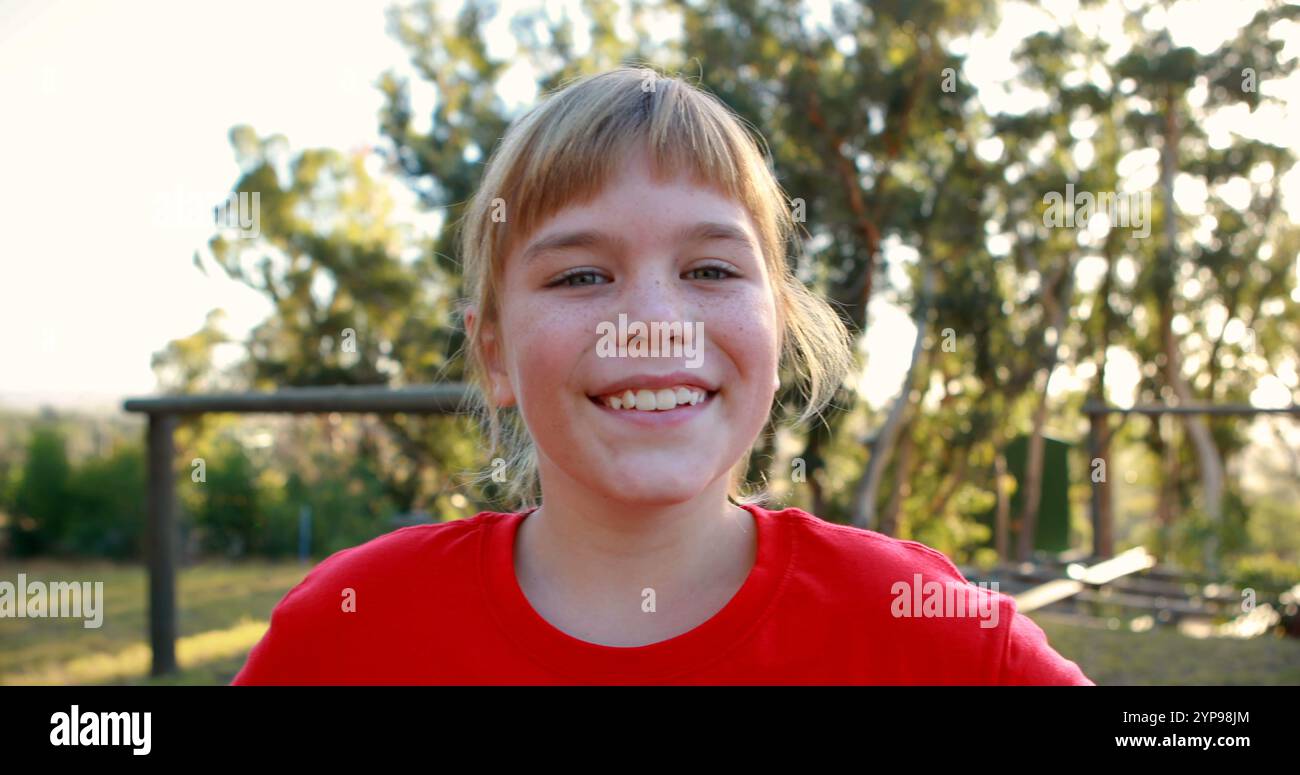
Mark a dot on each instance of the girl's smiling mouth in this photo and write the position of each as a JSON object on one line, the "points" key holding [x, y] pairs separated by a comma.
{"points": [[656, 399], [647, 400], [699, 402]]}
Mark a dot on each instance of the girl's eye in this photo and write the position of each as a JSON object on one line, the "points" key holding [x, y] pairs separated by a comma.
{"points": [[577, 278], [580, 277], [722, 272]]}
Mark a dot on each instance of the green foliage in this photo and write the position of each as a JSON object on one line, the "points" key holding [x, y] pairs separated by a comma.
{"points": [[1267, 574], [107, 497], [230, 504], [349, 506], [93, 508], [42, 495], [248, 507]]}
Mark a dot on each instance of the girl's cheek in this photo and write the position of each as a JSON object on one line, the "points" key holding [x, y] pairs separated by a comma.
{"points": [[747, 329], [552, 338]]}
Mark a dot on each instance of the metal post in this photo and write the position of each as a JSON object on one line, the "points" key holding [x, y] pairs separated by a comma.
{"points": [[161, 542]]}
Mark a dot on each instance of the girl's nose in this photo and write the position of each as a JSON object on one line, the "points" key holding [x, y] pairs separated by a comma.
{"points": [[654, 296]]}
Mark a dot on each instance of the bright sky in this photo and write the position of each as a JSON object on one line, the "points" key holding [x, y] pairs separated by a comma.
{"points": [[115, 112]]}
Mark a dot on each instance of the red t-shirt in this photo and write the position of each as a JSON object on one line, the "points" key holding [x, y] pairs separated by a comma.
{"points": [[823, 604]]}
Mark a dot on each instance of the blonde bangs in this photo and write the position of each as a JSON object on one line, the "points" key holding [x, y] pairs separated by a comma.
{"points": [[567, 150]]}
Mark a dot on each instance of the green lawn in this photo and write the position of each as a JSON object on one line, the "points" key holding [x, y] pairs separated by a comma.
{"points": [[1165, 657], [224, 609]]}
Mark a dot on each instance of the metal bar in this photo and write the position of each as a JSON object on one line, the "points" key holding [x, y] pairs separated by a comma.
{"points": [[161, 543], [443, 398]]}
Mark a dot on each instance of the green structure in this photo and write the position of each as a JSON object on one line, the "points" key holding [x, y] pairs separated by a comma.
{"points": [[1053, 531]]}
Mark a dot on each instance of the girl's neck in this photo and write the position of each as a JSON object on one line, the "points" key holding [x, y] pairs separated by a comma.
{"points": [[583, 561]]}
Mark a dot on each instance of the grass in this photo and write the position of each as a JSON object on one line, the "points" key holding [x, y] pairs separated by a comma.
{"points": [[1163, 656], [224, 609]]}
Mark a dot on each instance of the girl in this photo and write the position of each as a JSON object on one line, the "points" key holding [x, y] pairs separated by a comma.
{"points": [[630, 309]]}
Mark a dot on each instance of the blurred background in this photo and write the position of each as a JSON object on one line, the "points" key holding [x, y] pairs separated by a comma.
{"points": [[1030, 215]]}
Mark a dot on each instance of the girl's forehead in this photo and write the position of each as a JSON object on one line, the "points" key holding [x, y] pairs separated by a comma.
{"points": [[634, 189], [670, 215], [634, 199]]}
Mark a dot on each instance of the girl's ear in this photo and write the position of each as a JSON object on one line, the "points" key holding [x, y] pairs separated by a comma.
{"points": [[499, 389]]}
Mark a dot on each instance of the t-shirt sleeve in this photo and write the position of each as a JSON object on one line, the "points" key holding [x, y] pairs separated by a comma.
{"points": [[1027, 658], [1022, 655], [285, 655]]}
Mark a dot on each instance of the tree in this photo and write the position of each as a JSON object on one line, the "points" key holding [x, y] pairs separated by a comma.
{"points": [[42, 495]]}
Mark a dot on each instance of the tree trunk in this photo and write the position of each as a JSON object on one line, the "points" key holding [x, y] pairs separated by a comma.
{"points": [[1207, 454], [1170, 478], [863, 505], [949, 487], [1103, 520], [1002, 520], [1056, 302], [1033, 488], [889, 521]]}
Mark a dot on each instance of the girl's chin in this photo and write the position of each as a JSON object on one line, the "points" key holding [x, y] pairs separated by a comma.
{"points": [[646, 482]]}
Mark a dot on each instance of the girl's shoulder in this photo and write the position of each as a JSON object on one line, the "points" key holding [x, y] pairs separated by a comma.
{"points": [[365, 594], [397, 559], [856, 549]]}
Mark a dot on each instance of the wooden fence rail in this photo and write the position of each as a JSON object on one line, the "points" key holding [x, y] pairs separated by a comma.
{"points": [[161, 537]]}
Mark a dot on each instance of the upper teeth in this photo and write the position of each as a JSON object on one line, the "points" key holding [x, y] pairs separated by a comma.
{"points": [[652, 400]]}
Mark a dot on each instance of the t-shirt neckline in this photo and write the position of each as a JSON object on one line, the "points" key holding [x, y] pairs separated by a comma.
{"points": [[579, 660]]}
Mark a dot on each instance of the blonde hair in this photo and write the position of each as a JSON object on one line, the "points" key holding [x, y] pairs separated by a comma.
{"points": [[563, 152]]}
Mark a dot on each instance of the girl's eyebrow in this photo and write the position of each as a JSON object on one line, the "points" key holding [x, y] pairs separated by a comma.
{"points": [[590, 238], [710, 230], [586, 238]]}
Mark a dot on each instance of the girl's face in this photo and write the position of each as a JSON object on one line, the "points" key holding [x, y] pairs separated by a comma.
{"points": [[574, 290]]}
